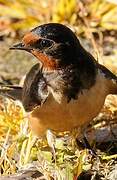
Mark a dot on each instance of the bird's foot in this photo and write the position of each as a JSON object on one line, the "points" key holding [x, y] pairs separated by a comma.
{"points": [[85, 144], [88, 146]]}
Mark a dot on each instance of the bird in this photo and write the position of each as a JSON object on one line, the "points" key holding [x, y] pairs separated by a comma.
{"points": [[67, 87]]}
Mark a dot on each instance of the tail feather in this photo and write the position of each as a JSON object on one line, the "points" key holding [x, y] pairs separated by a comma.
{"points": [[111, 79], [13, 92]]}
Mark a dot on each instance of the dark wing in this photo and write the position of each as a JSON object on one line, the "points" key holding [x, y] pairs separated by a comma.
{"points": [[110, 76], [13, 92], [35, 89]]}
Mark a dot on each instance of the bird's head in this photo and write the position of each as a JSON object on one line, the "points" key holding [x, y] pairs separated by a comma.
{"points": [[53, 44]]}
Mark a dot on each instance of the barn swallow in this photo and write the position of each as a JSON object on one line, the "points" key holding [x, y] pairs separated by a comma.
{"points": [[67, 88]]}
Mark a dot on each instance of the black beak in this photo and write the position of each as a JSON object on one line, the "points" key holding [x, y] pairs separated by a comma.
{"points": [[20, 46]]}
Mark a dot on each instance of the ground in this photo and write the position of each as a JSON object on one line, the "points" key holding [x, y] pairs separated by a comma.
{"points": [[22, 154], [101, 133]]}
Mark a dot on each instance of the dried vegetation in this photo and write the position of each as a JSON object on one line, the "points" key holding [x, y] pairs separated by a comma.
{"points": [[24, 156]]}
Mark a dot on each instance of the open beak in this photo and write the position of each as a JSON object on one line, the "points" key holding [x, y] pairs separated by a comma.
{"points": [[20, 46]]}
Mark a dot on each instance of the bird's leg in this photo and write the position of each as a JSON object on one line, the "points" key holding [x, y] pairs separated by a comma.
{"points": [[83, 142], [87, 145], [51, 142]]}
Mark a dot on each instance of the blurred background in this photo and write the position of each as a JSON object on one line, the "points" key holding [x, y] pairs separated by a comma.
{"points": [[95, 23]]}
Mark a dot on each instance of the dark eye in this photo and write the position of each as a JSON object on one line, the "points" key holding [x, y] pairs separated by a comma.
{"points": [[45, 43]]}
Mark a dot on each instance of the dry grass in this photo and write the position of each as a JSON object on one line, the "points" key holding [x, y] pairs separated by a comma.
{"points": [[23, 15], [19, 148]]}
